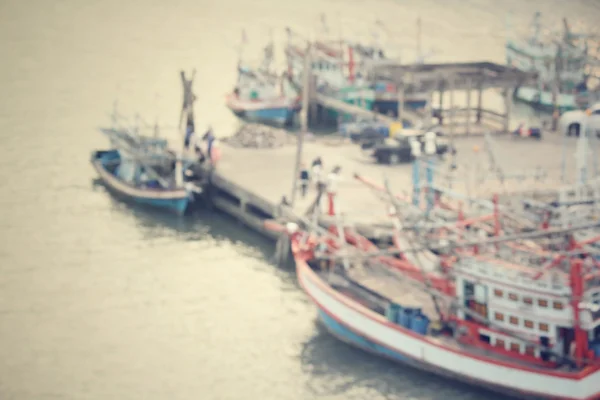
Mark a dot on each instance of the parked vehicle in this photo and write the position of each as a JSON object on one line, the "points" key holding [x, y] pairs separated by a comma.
{"points": [[572, 123], [365, 129], [526, 131], [398, 149]]}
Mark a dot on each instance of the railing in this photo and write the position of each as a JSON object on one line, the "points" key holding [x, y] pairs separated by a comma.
{"points": [[473, 115]]}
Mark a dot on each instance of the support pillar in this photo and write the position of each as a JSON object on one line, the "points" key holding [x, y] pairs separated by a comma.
{"points": [[555, 108], [428, 110], [416, 171], [306, 82], [468, 112], [479, 101], [400, 94], [441, 109], [313, 108], [303, 121], [430, 190], [508, 108], [451, 109]]}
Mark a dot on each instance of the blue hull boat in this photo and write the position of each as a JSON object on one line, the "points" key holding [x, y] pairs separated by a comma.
{"points": [[275, 116], [108, 163]]}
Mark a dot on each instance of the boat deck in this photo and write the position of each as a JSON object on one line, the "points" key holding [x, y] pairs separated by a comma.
{"points": [[390, 284]]}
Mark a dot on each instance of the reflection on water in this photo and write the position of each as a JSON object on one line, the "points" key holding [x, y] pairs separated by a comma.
{"points": [[337, 368]]}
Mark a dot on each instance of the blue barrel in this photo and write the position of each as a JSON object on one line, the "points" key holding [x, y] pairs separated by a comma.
{"points": [[392, 311], [419, 323], [405, 316], [596, 348]]}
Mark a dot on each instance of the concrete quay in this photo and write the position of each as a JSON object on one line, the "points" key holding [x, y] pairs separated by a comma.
{"points": [[249, 183]]}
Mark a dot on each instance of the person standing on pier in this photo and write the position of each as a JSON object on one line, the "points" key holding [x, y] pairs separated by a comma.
{"points": [[192, 143], [210, 138], [332, 181], [304, 180], [316, 171], [189, 136]]}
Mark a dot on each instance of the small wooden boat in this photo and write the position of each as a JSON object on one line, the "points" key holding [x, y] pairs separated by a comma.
{"points": [[129, 180], [144, 170]]}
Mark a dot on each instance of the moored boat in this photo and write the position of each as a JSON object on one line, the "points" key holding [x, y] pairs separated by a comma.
{"points": [[510, 312], [263, 96], [558, 63], [504, 329], [142, 169], [129, 180]]}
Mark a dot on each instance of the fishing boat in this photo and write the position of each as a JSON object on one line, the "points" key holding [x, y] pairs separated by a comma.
{"points": [[141, 182], [260, 98], [344, 76], [499, 322], [142, 169], [261, 95], [515, 310], [558, 63]]}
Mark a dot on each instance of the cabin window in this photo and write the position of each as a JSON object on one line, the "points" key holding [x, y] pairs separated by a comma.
{"points": [[498, 293], [515, 347], [528, 324], [530, 350], [542, 303], [543, 327], [513, 296], [558, 305], [499, 316], [500, 343], [514, 320], [528, 300]]}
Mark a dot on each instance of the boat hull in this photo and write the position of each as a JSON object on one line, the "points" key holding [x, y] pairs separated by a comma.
{"points": [[363, 328], [176, 200], [276, 111], [543, 100], [276, 116]]}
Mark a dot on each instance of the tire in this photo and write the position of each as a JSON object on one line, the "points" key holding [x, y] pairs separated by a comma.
{"points": [[573, 130]]}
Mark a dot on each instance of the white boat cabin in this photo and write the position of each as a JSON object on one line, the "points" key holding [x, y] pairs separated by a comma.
{"points": [[539, 310], [253, 86]]}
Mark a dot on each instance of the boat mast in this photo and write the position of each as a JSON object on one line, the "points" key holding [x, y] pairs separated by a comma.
{"points": [[536, 26], [420, 59], [577, 289], [187, 112]]}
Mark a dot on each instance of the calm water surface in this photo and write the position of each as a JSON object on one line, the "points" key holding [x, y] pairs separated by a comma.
{"points": [[100, 301]]}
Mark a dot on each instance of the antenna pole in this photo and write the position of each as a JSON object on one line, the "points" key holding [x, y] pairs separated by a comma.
{"points": [[304, 116], [419, 48]]}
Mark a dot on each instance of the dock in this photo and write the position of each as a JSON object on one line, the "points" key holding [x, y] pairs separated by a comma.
{"points": [[249, 184]]}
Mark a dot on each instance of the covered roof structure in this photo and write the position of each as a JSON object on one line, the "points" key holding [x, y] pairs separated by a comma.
{"points": [[459, 76]]}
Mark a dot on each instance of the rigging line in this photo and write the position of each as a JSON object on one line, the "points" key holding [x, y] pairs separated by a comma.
{"points": [[398, 216], [492, 240]]}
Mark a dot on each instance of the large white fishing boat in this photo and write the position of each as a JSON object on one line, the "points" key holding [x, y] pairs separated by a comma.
{"points": [[561, 65]]}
